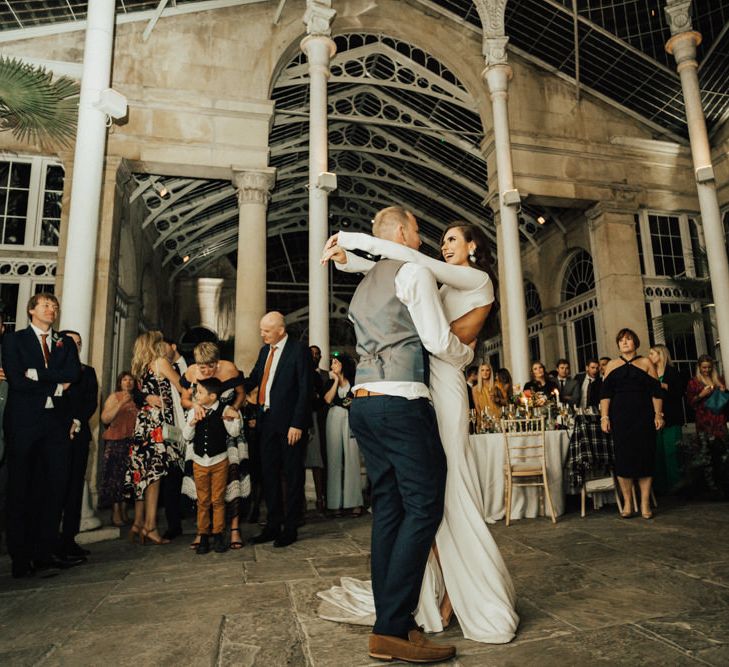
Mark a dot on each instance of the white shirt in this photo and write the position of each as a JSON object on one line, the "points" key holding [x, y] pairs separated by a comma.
{"points": [[181, 364], [416, 288], [232, 426], [272, 372], [585, 388], [32, 373]]}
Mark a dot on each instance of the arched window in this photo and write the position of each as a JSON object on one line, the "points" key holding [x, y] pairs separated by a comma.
{"points": [[533, 302], [579, 277]]}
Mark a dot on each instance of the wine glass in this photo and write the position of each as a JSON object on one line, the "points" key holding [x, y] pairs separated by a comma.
{"points": [[472, 419]]}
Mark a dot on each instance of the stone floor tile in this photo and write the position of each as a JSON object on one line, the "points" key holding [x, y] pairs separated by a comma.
{"points": [[693, 630], [357, 565], [282, 570], [25, 657]]}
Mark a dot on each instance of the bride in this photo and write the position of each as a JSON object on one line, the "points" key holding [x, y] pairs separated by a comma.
{"points": [[466, 573]]}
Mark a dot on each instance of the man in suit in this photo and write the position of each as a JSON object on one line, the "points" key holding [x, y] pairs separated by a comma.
{"points": [[569, 391], [40, 365], [283, 374], [82, 401], [589, 384], [172, 482]]}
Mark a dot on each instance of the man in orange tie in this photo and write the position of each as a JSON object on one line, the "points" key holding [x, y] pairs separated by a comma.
{"points": [[284, 376], [39, 365]]}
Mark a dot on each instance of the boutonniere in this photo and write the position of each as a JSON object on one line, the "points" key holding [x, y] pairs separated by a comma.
{"points": [[59, 343]]}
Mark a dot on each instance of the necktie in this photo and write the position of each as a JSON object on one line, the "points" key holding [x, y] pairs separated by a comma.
{"points": [[46, 351], [177, 368], [264, 379]]}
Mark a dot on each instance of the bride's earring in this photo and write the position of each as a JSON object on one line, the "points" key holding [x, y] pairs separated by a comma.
{"points": [[472, 257]]}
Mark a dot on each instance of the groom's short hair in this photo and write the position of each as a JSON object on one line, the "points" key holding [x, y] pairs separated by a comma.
{"points": [[389, 219]]}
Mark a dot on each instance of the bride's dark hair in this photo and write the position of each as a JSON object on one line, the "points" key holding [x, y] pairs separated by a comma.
{"points": [[474, 234]]}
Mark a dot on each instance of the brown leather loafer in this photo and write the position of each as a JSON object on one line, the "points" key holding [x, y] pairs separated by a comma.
{"points": [[416, 648]]}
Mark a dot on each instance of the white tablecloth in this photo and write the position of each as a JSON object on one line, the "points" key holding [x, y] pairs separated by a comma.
{"points": [[488, 450]]}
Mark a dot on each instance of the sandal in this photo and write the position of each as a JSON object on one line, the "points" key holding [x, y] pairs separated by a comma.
{"points": [[236, 544], [194, 544]]}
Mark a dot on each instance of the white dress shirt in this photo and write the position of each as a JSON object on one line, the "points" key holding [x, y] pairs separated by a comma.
{"points": [[232, 426], [272, 372], [585, 390], [32, 373], [416, 288]]}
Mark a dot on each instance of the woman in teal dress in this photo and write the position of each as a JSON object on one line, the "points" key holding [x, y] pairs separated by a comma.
{"points": [[668, 474]]}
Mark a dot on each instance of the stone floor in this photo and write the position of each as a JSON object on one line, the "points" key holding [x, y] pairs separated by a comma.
{"points": [[598, 590]]}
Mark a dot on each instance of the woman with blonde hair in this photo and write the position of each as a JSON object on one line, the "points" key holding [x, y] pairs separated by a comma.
{"points": [[149, 455], [706, 381], [667, 474], [484, 392]]}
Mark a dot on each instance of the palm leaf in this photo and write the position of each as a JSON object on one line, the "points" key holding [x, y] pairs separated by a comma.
{"points": [[670, 325], [35, 107]]}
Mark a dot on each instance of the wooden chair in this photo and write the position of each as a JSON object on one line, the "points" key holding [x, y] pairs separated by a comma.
{"points": [[525, 461]]}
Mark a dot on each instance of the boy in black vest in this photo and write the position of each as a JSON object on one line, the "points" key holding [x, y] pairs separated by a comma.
{"points": [[209, 435]]}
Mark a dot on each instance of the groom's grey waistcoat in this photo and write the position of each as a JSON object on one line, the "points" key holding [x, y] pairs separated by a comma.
{"points": [[388, 344]]}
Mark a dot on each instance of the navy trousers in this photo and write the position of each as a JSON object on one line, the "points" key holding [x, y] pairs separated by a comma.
{"points": [[407, 467]]}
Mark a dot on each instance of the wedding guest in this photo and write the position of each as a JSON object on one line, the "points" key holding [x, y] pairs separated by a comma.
{"points": [[82, 402], [250, 412], [589, 385], [569, 391], [704, 383], [150, 455], [471, 379], [505, 385], [540, 382], [208, 364], [632, 410], [119, 414], [604, 361], [209, 431], [711, 428], [485, 391], [667, 473], [319, 425], [344, 491]]}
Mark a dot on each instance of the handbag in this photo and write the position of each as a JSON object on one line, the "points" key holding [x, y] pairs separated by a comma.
{"points": [[717, 401], [170, 433]]}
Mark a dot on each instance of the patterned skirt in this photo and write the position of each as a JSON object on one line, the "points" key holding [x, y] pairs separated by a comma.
{"points": [[115, 462]]}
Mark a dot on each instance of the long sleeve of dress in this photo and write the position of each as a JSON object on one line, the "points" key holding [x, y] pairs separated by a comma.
{"points": [[459, 277]]}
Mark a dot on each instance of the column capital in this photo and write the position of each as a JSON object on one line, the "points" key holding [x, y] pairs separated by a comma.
{"points": [[254, 185], [682, 46], [318, 17], [494, 50], [319, 49], [678, 14]]}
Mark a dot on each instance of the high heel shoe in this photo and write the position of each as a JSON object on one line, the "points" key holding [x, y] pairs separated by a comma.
{"points": [[135, 532], [149, 535]]}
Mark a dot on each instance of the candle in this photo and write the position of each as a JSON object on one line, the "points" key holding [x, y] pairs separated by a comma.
{"points": [[556, 395]]}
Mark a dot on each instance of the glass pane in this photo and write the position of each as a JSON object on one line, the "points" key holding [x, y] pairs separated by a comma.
{"points": [[48, 288], [50, 230], [54, 177], [3, 200], [9, 304], [20, 175], [4, 171], [17, 203], [14, 231], [52, 205]]}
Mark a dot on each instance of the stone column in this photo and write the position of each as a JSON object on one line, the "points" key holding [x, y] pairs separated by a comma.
{"points": [[254, 186], [618, 280], [319, 49], [513, 315], [682, 46], [79, 271]]}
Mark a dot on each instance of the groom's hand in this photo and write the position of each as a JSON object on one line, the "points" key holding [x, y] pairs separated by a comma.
{"points": [[294, 436]]}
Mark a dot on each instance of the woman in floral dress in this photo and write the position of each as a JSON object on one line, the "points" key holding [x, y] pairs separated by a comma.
{"points": [[149, 455]]}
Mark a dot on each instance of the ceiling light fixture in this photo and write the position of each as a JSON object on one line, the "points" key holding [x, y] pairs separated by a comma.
{"points": [[541, 220], [161, 189], [186, 259]]}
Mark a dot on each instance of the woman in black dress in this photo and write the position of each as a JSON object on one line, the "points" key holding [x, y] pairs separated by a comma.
{"points": [[632, 410]]}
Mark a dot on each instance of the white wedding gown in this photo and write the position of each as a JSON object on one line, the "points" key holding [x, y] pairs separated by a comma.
{"points": [[472, 569]]}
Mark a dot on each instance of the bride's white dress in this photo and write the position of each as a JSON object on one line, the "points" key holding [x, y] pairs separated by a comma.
{"points": [[472, 569]]}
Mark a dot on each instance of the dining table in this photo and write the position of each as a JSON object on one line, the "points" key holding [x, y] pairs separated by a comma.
{"points": [[489, 454], [590, 453]]}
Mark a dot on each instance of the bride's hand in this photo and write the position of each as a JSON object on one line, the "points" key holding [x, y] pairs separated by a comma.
{"points": [[334, 253], [332, 241]]}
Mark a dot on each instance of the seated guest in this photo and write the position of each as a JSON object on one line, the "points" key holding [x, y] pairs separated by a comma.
{"points": [[209, 433], [569, 391], [540, 382], [82, 402], [208, 364], [504, 385], [344, 491], [589, 385], [119, 414], [484, 393], [40, 365], [667, 473]]}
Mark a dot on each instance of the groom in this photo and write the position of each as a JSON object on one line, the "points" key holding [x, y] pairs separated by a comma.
{"points": [[398, 319]]}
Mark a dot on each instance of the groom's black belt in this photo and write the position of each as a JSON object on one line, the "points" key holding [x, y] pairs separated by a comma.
{"points": [[360, 393]]}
